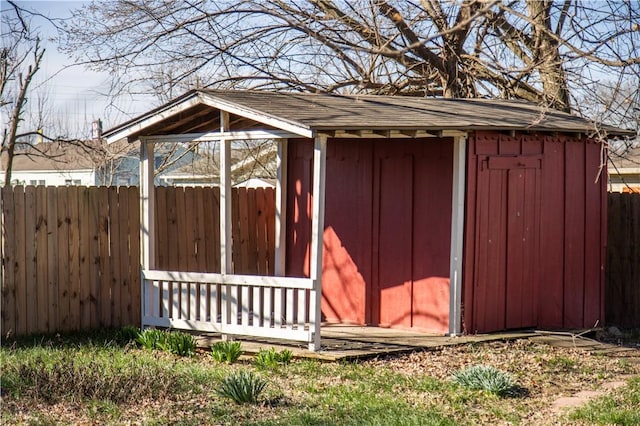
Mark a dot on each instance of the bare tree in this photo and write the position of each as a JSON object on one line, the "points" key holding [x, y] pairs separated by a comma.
{"points": [[21, 57], [23, 129], [539, 50]]}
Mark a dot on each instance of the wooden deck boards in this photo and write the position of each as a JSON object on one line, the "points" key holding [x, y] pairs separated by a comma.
{"points": [[340, 342]]}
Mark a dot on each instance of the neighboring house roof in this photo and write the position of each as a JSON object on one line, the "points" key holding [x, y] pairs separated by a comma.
{"points": [[52, 156], [306, 114], [626, 159], [257, 183], [64, 156], [624, 169]]}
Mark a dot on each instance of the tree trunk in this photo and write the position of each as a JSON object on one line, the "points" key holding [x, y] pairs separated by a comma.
{"points": [[552, 74]]}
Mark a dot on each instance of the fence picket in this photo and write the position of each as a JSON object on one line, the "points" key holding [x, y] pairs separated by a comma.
{"points": [[104, 304], [270, 212], [84, 258], [63, 259], [52, 248], [74, 261], [261, 231], [30, 257], [114, 257], [20, 263], [94, 257], [134, 304], [123, 304], [8, 286], [42, 260]]}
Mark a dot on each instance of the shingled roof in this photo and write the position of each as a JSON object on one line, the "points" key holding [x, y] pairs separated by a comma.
{"points": [[330, 112]]}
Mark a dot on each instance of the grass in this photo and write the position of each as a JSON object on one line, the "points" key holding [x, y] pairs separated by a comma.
{"points": [[620, 408], [106, 378]]}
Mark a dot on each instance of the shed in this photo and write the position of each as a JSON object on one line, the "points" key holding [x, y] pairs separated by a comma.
{"points": [[442, 215]]}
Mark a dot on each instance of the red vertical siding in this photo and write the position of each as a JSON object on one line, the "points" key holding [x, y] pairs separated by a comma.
{"points": [[387, 229], [593, 263], [395, 235], [347, 254], [431, 236], [574, 226], [548, 272], [551, 285]]}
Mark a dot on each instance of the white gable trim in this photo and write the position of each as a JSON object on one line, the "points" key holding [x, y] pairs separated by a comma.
{"points": [[154, 118], [258, 116]]}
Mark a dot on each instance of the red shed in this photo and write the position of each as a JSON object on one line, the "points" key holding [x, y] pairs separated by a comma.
{"points": [[444, 215]]}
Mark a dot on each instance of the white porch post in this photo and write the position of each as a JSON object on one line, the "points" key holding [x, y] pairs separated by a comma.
{"points": [[457, 233], [317, 231], [281, 208], [147, 217], [226, 244]]}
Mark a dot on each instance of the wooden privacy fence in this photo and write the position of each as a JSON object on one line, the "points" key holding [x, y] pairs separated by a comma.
{"points": [[71, 255], [623, 260]]}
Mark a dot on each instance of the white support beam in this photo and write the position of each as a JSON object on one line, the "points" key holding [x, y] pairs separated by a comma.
{"points": [[226, 242], [281, 208], [147, 206], [317, 240], [147, 216], [216, 136], [225, 199], [457, 233]]}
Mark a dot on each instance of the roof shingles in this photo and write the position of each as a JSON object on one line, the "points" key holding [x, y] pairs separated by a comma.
{"points": [[325, 112]]}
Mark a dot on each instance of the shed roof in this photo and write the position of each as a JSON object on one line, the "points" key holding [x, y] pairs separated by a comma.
{"points": [[312, 113]]}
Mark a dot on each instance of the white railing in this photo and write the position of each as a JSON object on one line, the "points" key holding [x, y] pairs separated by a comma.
{"points": [[250, 305]]}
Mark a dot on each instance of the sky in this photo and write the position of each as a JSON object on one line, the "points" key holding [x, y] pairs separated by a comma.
{"points": [[75, 96]]}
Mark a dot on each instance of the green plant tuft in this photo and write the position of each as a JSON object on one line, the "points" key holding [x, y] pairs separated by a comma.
{"points": [[152, 338], [227, 351], [175, 342], [487, 378], [179, 343], [272, 359], [127, 334], [242, 387]]}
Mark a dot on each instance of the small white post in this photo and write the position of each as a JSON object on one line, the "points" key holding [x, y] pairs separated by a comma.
{"points": [[281, 208], [226, 242], [317, 241], [147, 218], [457, 233]]}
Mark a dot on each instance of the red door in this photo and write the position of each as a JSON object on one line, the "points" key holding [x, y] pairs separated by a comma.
{"points": [[507, 241], [412, 223], [387, 230], [394, 253]]}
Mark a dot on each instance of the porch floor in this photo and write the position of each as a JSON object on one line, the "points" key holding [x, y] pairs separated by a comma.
{"points": [[345, 342]]}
